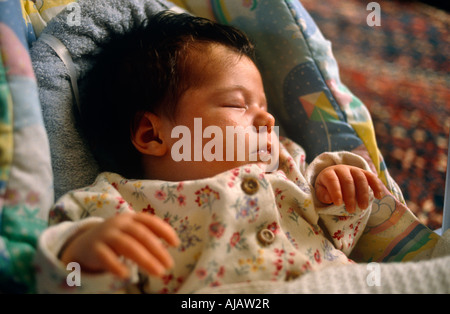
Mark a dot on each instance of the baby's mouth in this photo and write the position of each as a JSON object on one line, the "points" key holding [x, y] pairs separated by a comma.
{"points": [[263, 153]]}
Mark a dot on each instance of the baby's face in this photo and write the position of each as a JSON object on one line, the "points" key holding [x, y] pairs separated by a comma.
{"points": [[223, 122]]}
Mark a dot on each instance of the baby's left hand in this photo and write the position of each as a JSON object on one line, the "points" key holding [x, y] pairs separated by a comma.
{"points": [[347, 184]]}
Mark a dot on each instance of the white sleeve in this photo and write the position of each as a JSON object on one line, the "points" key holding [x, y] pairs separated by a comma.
{"points": [[52, 276], [343, 228]]}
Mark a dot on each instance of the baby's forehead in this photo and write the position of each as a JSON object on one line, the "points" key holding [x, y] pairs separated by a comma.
{"points": [[204, 59], [211, 52]]}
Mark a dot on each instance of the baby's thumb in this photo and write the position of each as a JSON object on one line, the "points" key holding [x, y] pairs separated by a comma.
{"points": [[322, 194]]}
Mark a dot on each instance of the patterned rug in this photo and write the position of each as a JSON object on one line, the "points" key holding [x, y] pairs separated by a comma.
{"points": [[400, 70]]}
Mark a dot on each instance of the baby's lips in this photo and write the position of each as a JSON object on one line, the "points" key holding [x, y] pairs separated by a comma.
{"points": [[269, 147]]}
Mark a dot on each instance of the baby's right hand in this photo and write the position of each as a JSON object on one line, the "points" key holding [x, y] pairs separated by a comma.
{"points": [[134, 236]]}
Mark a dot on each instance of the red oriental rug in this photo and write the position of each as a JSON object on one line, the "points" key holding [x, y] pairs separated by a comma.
{"points": [[400, 70]]}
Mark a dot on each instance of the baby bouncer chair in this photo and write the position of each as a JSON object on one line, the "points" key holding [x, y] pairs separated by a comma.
{"points": [[46, 48]]}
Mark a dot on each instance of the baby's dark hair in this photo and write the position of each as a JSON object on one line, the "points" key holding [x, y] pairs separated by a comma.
{"points": [[145, 70]]}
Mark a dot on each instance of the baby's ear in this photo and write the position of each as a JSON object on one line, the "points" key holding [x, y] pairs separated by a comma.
{"points": [[146, 135]]}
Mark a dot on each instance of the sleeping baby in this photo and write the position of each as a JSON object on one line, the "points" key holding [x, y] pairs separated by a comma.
{"points": [[198, 189]]}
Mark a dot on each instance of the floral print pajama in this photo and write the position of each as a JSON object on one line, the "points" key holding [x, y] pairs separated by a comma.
{"points": [[238, 226]]}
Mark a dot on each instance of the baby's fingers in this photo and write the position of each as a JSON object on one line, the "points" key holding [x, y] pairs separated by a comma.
{"points": [[361, 186], [159, 227], [364, 180], [127, 246], [150, 240], [110, 260], [350, 191], [376, 184], [328, 188]]}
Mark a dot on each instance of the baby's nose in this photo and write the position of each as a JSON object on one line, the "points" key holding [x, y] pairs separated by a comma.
{"points": [[264, 119]]}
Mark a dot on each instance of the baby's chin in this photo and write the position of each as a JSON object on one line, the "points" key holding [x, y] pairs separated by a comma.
{"points": [[196, 170], [265, 166], [266, 161]]}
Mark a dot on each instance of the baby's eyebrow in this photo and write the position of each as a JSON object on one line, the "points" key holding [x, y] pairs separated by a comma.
{"points": [[231, 88], [245, 91]]}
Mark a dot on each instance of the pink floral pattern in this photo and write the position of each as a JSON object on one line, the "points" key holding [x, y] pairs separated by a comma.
{"points": [[206, 197]]}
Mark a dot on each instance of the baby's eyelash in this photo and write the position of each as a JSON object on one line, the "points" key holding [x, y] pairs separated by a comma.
{"points": [[240, 106]]}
